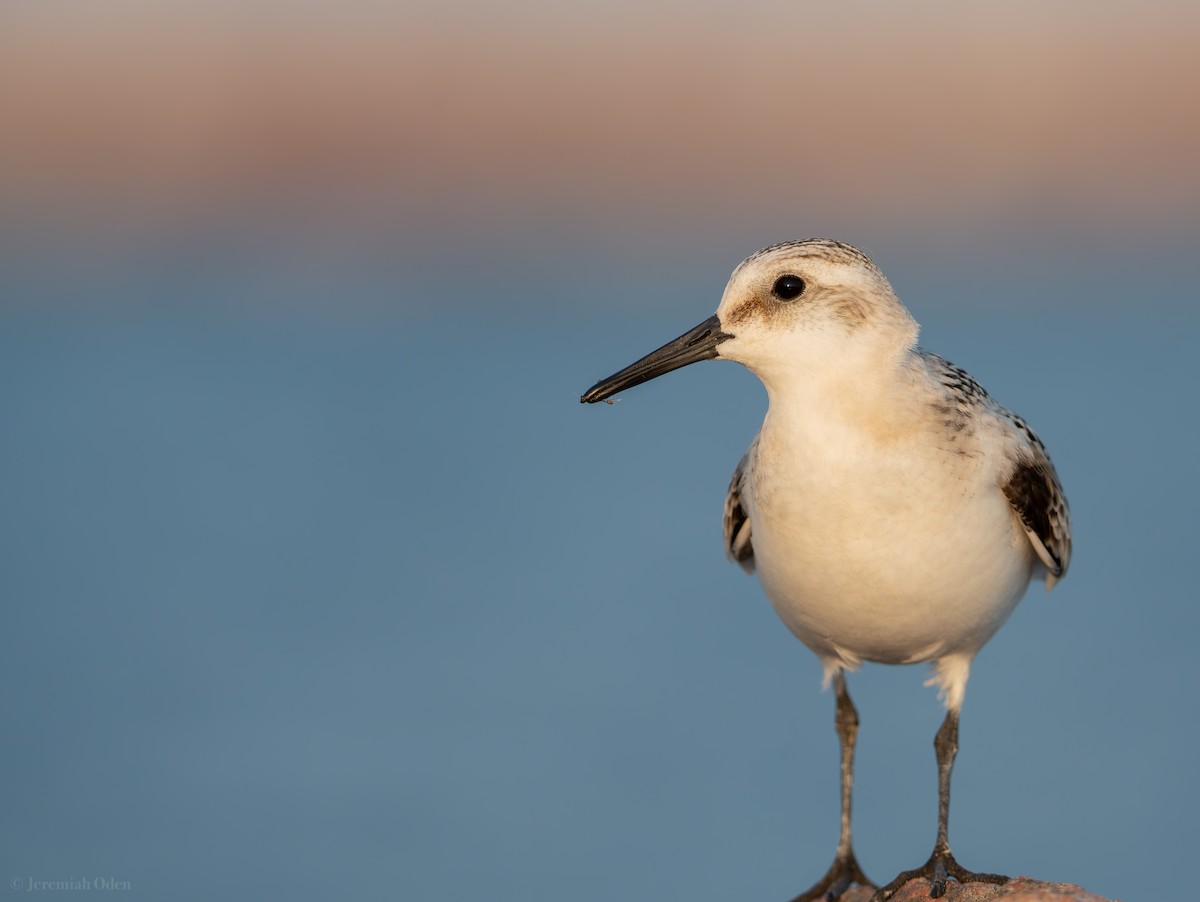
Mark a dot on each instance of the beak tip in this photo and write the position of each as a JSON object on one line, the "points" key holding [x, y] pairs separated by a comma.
{"points": [[696, 344]]}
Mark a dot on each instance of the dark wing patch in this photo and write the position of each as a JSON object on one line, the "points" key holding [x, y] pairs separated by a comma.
{"points": [[737, 524], [1037, 497]]}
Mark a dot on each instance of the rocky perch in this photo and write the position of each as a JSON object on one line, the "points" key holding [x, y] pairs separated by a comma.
{"points": [[1019, 889]]}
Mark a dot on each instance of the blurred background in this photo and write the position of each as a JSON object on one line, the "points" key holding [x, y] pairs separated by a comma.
{"points": [[319, 581]]}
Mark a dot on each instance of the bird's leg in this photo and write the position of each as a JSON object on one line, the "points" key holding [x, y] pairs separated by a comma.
{"points": [[941, 864], [844, 870]]}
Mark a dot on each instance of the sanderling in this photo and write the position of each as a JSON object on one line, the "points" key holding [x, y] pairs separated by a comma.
{"points": [[893, 511]]}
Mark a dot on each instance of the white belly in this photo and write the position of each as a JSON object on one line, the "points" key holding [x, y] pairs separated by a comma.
{"points": [[886, 561]]}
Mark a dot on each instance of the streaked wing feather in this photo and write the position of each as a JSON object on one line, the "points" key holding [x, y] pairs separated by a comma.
{"points": [[738, 547], [1037, 498]]}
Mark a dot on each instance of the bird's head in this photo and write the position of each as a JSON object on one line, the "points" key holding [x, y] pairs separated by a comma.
{"points": [[791, 309]]}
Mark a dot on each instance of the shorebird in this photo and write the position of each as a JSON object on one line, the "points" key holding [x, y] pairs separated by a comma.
{"points": [[892, 510]]}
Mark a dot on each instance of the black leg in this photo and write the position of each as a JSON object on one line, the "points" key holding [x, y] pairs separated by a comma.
{"points": [[941, 864], [845, 870]]}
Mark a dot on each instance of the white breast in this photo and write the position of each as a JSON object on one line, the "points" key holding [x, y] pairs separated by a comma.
{"points": [[888, 549]]}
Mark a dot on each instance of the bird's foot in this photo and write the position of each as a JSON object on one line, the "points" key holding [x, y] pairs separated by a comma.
{"points": [[841, 875], [940, 867]]}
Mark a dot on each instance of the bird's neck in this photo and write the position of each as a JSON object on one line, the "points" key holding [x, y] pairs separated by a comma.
{"points": [[858, 397]]}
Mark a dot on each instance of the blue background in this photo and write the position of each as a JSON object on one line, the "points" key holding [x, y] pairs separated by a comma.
{"points": [[359, 601]]}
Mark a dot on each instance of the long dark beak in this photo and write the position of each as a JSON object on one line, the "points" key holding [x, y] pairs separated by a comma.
{"points": [[696, 344]]}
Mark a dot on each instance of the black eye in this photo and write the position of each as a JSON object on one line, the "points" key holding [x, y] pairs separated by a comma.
{"points": [[788, 288]]}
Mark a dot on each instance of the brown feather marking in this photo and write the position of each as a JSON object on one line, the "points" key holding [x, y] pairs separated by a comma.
{"points": [[1033, 492], [738, 547]]}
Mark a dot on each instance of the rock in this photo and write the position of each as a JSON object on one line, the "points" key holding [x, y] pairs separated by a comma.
{"points": [[1019, 889]]}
